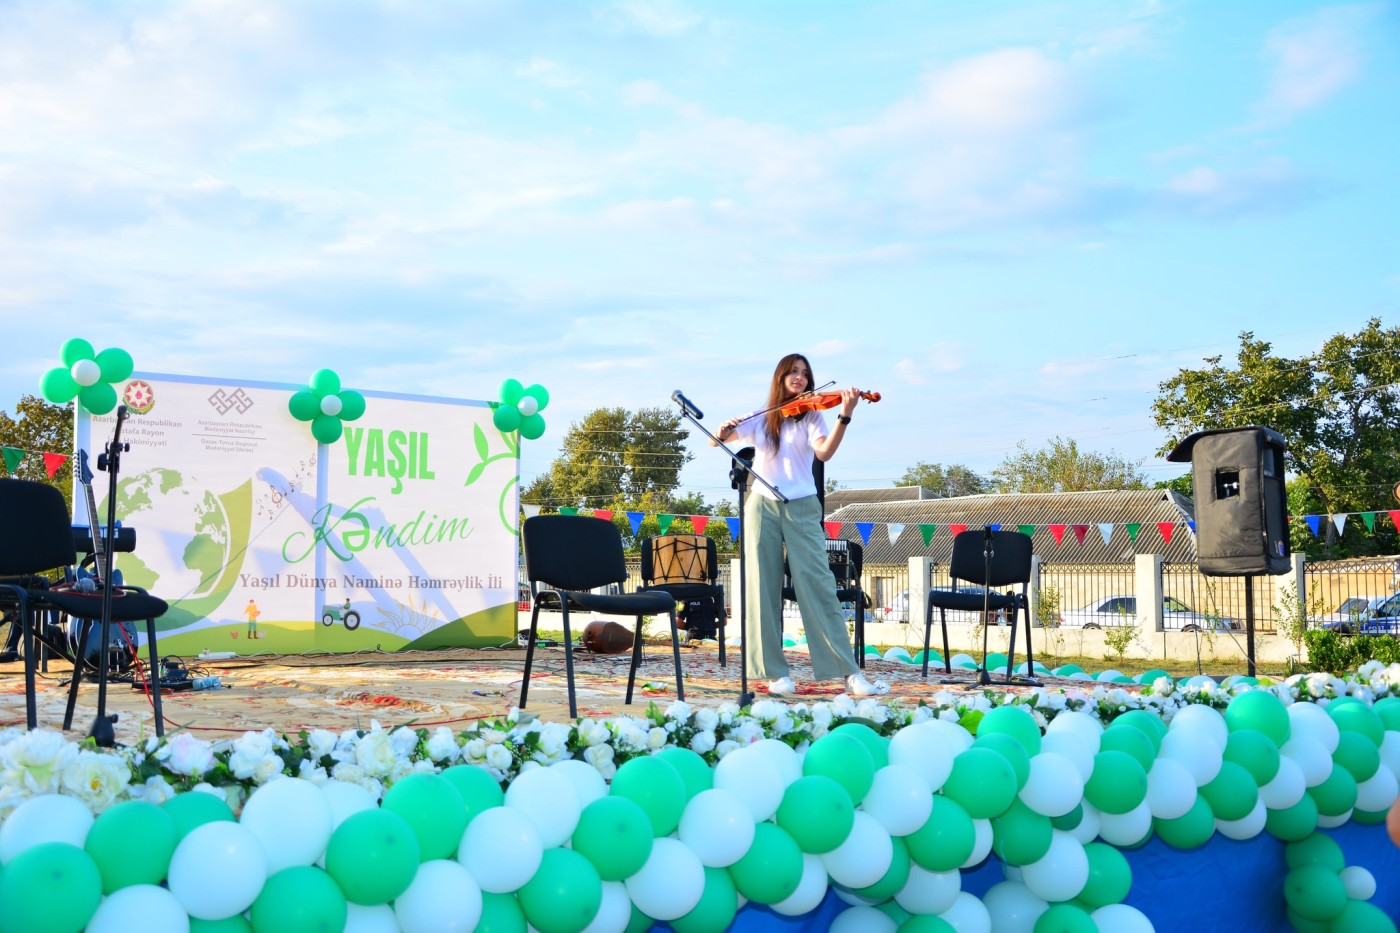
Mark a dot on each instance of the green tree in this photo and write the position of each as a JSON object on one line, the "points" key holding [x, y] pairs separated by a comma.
{"points": [[950, 481], [1337, 409], [39, 427], [1062, 467]]}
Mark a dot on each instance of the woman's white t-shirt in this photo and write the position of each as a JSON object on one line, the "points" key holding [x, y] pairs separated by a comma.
{"points": [[789, 468]]}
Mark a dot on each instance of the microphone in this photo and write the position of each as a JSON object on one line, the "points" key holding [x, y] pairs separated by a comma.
{"points": [[687, 405]]}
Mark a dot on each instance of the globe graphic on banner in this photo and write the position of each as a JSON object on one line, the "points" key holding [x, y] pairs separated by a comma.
{"points": [[172, 508]]}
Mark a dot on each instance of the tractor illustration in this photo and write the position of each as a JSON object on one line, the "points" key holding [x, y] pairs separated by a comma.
{"points": [[333, 614]]}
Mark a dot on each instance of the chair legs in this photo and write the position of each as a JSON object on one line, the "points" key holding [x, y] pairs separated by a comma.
{"points": [[675, 653], [928, 629]]}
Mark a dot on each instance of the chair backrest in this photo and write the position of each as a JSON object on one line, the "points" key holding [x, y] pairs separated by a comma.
{"points": [[573, 552], [679, 559], [1011, 558], [36, 531], [846, 560]]}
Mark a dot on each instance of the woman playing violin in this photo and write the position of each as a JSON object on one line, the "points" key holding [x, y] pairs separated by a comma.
{"points": [[784, 446]]}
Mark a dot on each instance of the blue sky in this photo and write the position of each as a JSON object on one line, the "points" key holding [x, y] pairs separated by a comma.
{"points": [[1014, 220]]}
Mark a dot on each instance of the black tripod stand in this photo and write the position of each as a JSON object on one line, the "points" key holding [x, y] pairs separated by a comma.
{"points": [[110, 460]]}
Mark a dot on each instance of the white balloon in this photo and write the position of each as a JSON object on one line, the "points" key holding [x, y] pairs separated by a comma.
{"points": [[1197, 749], [292, 819], [615, 910], [962, 660], [145, 907], [811, 890], [1171, 790], [1309, 755], [370, 918], [346, 799], [1287, 787], [85, 372], [501, 848], [1013, 907], [898, 653], [1090, 819], [528, 405], [1104, 677], [587, 780], [788, 761], [929, 892], [443, 898], [928, 750], [899, 799], [45, 818], [217, 870], [1080, 675], [862, 920], [1126, 829], [1081, 724], [981, 844], [968, 915], [1377, 792], [331, 405], [1308, 720], [1332, 822], [1359, 883], [671, 882], [1247, 827], [863, 858], [847, 896], [549, 799], [1074, 746], [1054, 786], [755, 779], [1200, 716], [717, 826], [1390, 752], [1061, 873], [1120, 918], [958, 736]]}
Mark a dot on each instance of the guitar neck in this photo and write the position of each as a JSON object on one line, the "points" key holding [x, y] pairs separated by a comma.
{"points": [[98, 545]]}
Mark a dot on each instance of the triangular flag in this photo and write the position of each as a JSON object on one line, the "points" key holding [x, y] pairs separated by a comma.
{"points": [[832, 529], [1028, 530], [1192, 525], [894, 530], [1059, 532], [1367, 518], [1079, 532], [664, 521], [733, 523], [605, 514], [635, 520], [956, 530], [698, 522], [1105, 531], [1166, 529], [568, 510], [13, 457], [52, 462], [864, 529], [927, 532], [995, 526], [1394, 518], [1133, 529], [1314, 522], [530, 509], [1340, 520]]}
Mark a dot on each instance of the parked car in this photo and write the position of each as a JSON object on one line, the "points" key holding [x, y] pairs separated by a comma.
{"points": [[1383, 620], [1176, 615], [1353, 610]]}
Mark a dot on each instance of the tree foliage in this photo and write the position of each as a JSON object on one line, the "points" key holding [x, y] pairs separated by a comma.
{"points": [[39, 427], [952, 480], [1061, 466], [1337, 409]]}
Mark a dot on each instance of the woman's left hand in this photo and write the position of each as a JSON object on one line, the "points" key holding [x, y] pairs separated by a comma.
{"points": [[849, 398]]}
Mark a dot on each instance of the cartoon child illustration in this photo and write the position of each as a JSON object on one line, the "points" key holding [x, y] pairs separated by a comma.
{"points": [[252, 612]]}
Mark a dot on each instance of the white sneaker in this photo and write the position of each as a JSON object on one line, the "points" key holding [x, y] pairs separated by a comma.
{"points": [[858, 686], [782, 685]]}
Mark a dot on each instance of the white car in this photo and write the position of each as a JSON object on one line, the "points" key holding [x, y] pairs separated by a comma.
{"points": [[1176, 615], [1353, 610]]}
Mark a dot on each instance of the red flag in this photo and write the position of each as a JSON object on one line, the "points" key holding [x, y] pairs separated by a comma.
{"points": [[1079, 532], [956, 530], [52, 462], [1395, 518], [698, 522], [1059, 532], [1166, 529], [832, 529], [605, 514]]}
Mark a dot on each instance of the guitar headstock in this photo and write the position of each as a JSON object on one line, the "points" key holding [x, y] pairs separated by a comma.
{"points": [[84, 471]]}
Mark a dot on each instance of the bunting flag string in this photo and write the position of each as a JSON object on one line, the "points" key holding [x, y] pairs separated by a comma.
{"points": [[894, 530], [1106, 532], [14, 456]]}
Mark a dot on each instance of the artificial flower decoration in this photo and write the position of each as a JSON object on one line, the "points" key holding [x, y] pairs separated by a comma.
{"points": [[325, 404], [86, 375], [519, 409]]}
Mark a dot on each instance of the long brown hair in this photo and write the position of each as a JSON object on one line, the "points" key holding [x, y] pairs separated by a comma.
{"points": [[777, 394]]}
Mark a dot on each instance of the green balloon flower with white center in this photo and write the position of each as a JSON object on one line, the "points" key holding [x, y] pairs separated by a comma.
{"points": [[87, 376], [326, 405], [519, 409]]}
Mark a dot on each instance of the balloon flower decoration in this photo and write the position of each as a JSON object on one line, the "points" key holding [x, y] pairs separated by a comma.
{"points": [[325, 404], [519, 409], [86, 375]]}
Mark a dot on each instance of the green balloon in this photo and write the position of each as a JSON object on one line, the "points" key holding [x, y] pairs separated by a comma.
{"points": [[1351, 715], [1065, 918], [926, 923], [195, 808], [299, 898], [373, 856], [132, 843], [1358, 755], [892, 910], [1369, 817], [1118, 782], [431, 805], [506, 418], [946, 839], [640, 922], [539, 393], [1262, 711], [1303, 925], [1148, 678], [500, 913], [57, 386], [1070, 820], [615, 834], [1292, 824], [326, 428], [512, 391], [876, 744], [1148, 722], [719, 903], [843, 758], [1336, 795], [1008, 747], [772, 868], [1233, 793], [1110, 876], [895, 877], [1255, 752], [1316, 849], [325, 382], [1020, 835], [982, 782], [304, 405], [352, 405], [235, 924], [1362, 917], [695, 771], [479, 790], [564, 895], [996, 663], [817, 812], [115, 364], [52, 887], [1014, 721], [1064, 670], [1388, 709], [655, 786], [532, 427], [1132, 741], [1190, 831], [98, 398], [1315, 892], [75, 349]]}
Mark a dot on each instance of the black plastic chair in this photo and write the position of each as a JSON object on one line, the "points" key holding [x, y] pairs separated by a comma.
{"points": [[985, 559], [847, 561], [687, 567], [570, 555], [36, 535]]}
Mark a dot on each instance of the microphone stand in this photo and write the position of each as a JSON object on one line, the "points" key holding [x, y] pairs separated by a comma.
{"points": [[740, 470], [110, 461]]}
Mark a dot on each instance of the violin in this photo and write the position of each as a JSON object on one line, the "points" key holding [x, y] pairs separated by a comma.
{"points": [[819, 401]]}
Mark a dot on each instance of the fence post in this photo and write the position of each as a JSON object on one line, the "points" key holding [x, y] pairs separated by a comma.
{"points": [[1147, 582], [1300, 579], [918, 589], [1033, 598]]}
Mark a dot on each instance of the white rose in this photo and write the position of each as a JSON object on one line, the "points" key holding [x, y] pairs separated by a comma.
{"points": [[601, 758], [702, 743], [376, 754], [321, 742], [554, 740], [249, 753], [725, 747], [309, 770], [185, 754], [474, 751], [498, 757], [156, 790], [36, 760], [706, 720], [442, 745], [591, 732], [96, 779], [656, 738], [405, 740], [680, 710]]}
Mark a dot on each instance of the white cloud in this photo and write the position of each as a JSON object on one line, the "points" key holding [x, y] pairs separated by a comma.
{"points": [[657, 18], [549, 73], [1316, 57]]}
